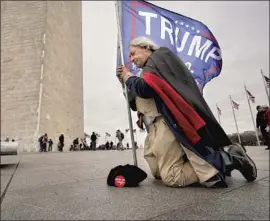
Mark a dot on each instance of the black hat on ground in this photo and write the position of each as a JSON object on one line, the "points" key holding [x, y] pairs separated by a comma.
{"points": [[126, 176]]}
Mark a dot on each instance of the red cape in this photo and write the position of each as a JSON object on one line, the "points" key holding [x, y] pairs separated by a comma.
{"points": [[185, 116]]}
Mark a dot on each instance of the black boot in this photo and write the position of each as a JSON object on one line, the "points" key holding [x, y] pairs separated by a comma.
{"points": [[236, 158]]}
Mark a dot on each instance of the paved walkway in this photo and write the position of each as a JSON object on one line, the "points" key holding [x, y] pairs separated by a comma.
{"points": [[73, 186]]}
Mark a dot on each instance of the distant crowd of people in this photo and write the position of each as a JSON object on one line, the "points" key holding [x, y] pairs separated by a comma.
{"points": [[46, 143], [79, 144], [109, 145]]}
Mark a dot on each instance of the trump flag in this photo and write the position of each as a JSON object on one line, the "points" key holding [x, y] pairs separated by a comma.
{"points": [[190, 39]]}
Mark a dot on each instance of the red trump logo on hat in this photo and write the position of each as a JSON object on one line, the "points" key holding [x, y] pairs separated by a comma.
{"points": [[119, 181]]}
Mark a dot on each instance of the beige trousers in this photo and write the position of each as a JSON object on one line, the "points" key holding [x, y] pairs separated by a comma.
{"points": [[164, 154]]}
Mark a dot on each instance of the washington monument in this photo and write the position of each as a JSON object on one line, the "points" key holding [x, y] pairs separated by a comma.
{"points": [[41, 71]]}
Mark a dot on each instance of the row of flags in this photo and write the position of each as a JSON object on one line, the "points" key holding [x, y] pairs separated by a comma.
{"points": [[251, 97]]}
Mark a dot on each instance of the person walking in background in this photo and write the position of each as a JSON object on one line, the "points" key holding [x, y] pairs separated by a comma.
{"points": [[40, 143], [93, 141], [111, 145], [61, 143], [267, 121], [50, 145], [120, 136], [261, 123], [43, 143]]}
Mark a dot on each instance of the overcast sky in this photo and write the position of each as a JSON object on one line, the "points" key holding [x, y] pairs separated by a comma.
{"points": [[242, 30]]}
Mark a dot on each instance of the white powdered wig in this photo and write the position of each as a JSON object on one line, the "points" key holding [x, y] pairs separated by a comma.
{"points": [[144, 42]]}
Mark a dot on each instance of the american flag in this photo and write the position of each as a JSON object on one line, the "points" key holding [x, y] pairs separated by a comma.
{"points": [[267, 81], [235, 105], [219, 111], [250, 96]]}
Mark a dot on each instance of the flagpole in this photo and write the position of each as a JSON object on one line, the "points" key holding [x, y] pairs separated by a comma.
{"points": [[257, 137], [218, 115], [239, 139], [265, 86], [126, 92], [136, 136]]}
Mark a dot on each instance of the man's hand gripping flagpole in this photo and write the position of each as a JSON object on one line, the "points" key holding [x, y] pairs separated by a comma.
{"points": [[123, 85]]}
